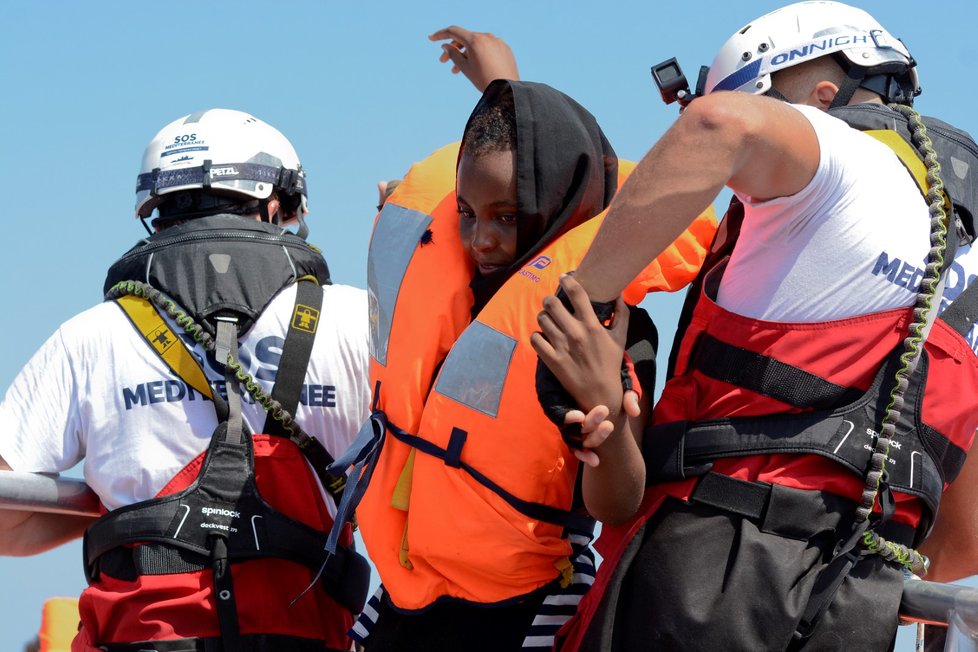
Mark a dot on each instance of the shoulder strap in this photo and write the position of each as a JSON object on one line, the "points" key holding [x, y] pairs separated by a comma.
{"points": [[723, 244], [296, 352], [171, 349], [910, 159]]}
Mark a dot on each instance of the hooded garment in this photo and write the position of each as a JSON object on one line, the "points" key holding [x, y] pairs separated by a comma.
{"points": [[566, 170]]}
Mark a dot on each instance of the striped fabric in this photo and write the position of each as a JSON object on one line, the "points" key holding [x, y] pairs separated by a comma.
{"points": [[368, 617], [557, 608]]}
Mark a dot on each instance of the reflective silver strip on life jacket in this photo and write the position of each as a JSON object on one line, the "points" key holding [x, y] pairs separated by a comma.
{"points": [[476, 368], [394, 241]]}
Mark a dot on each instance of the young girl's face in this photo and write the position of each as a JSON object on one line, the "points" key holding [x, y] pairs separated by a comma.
{"points": [[486, 189]]}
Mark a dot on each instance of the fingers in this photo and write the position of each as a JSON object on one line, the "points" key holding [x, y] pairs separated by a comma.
{"points": [[594, 419], [456, 55], [554, 328], [455, 32], [578, 296], [588, 457], [630, 404]]}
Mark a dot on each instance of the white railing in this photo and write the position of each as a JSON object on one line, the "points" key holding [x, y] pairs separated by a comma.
{"points": [[36, 492]]}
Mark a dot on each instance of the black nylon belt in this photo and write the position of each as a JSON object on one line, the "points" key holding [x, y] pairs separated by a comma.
{"points": [[786, 511]]}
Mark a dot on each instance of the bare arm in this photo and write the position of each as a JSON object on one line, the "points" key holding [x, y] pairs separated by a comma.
{"points": [[953, 544], [586, 359], [755, 145], [30, 533], [480, 56]]}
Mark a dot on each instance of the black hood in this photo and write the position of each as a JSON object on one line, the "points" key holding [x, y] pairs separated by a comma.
{"points": [[566, 171]]}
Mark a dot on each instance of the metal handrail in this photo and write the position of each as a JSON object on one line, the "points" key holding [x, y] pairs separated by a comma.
{"points": [[37, 492], [924, 602], [932, 603]]}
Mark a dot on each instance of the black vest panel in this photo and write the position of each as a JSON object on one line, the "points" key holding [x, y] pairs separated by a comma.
{"points": [[220, 263]]}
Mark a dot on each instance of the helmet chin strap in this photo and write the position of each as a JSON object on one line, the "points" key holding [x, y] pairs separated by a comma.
{"points": [[263, 212], [853, 80], [276, 219]]}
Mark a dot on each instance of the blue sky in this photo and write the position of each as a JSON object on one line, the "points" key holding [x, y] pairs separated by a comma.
{"points": [[356, 87]]}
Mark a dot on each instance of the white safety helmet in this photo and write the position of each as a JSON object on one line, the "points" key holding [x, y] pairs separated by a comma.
{"points": [[229, 152], [871, 56]]}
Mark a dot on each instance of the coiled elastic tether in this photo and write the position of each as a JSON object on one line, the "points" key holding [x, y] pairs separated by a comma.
{"points": [[923, 316]]}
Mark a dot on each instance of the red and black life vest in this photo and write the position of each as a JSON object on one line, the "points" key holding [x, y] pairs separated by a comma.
{"points": [[809, 396], [221, 559]]}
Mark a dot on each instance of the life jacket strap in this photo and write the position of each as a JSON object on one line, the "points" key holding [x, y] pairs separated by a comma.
{"points": [[767, 376], [170, 348], [296, 353]]}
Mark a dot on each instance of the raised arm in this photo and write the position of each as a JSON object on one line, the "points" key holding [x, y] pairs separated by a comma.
{"points": [[755, 145], [480, 56]]}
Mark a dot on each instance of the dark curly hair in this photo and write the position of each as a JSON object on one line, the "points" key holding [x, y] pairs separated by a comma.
{"points": [[491, 128]]}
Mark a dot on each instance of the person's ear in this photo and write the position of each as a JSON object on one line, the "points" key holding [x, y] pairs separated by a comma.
{"points": [[274, 206], [822, 95]]}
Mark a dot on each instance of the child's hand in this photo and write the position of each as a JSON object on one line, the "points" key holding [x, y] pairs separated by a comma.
{"points": [[480, 56], [595, 428]]}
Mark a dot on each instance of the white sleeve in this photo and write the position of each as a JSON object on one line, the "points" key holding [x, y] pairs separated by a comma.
{"points": [[39, 425], [839, 149]]}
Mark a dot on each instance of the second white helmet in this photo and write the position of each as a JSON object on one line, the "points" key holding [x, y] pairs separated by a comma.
{"points": [[804, 31], [230, 152]]}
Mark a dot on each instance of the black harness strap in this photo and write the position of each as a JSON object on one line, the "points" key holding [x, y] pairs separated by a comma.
{"points": [[296, 353], [235, 436], [963, 311], [767, 376], [723, 244]]}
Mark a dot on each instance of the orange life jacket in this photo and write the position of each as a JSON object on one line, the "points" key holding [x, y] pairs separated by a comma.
{"points": [[471, 493]]}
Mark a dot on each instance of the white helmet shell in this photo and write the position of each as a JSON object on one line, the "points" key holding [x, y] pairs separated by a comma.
{"points": [[801, 32], [220, 149]]}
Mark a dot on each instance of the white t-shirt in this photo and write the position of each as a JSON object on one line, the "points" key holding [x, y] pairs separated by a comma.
{"points": [[853, 241], [97, 390]]}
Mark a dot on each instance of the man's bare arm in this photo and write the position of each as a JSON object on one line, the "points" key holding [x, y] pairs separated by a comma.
{"points": [[756, 145], [30, 533], [953, 544]]}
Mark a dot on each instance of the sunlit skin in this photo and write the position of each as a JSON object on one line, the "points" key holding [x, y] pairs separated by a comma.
{"points": [[486, 189]]}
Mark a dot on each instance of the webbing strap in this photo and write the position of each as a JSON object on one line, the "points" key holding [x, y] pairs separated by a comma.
{"points": [[963, 311], [910, 159], [296, 353], [723, 244], [227, 608], [227, 349], [171, 349], [767, 376]]}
